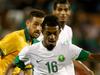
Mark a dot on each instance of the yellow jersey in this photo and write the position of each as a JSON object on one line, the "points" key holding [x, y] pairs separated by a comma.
{"points": [[11, 45]]}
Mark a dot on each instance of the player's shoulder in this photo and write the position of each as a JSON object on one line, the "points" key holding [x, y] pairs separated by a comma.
{"points": [[15, 33], [67, 27], [19, 32], [9, 36]]}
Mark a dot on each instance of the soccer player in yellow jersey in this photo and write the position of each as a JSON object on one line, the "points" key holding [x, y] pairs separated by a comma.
{"points": [[13, 42]]}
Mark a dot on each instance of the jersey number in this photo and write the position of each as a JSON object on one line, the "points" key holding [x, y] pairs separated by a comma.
{"points": [[52, 66]]}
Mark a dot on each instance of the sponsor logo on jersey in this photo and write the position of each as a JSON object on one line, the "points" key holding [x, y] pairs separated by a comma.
{"points": [[38, 61]]}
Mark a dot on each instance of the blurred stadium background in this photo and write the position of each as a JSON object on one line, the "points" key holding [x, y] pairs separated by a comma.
{"points": [[85, 21]]}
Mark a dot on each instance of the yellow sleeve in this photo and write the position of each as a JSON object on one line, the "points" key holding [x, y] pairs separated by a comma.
{"points": [[12, 42], [16, 71]]}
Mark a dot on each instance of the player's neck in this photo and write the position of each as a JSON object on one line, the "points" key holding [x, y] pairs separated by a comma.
{"points": [[49, 48], [63, 23]]}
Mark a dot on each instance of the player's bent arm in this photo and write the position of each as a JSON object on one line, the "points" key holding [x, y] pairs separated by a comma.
{"points": [[22, 57], [16, 67], [95, 57], [79, 66], [19, 60], [13, 70], [27, 68], [85, 55]]}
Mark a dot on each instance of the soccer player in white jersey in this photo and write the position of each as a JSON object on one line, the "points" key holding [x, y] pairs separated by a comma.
{"points": [[61, 9], [49, 56]]}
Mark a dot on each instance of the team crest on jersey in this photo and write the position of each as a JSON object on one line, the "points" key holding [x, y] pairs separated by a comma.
{"points": [[61, 58]]}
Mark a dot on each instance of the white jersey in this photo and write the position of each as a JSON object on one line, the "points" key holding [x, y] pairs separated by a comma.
{"points": [[52, 62], [65, 35]]}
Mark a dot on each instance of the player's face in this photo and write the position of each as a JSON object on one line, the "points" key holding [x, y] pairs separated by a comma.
{"points": [[51, 35], [62, 12], [34, 26]]}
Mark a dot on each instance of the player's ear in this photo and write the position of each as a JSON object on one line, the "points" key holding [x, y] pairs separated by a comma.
{"points": [[27, 23]]}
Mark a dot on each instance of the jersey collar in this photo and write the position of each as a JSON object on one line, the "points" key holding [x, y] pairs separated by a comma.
{"points": [[27, 35], [28, 38]]}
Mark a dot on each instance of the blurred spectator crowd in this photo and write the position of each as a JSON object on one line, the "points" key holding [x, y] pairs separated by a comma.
{"points": [[85, 21]]}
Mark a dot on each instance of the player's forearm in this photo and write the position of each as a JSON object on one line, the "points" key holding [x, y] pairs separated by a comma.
{"points": [[10, 67], [79, 66], [95, 57]]}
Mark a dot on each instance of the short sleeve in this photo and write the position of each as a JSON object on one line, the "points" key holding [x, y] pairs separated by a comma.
{"points": [[24, 54], [74, 51], [22, 58], [83, 55]]}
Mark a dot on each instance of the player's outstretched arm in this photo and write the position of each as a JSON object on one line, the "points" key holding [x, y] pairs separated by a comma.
{"points": [[80, 68], [95, 57]]}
